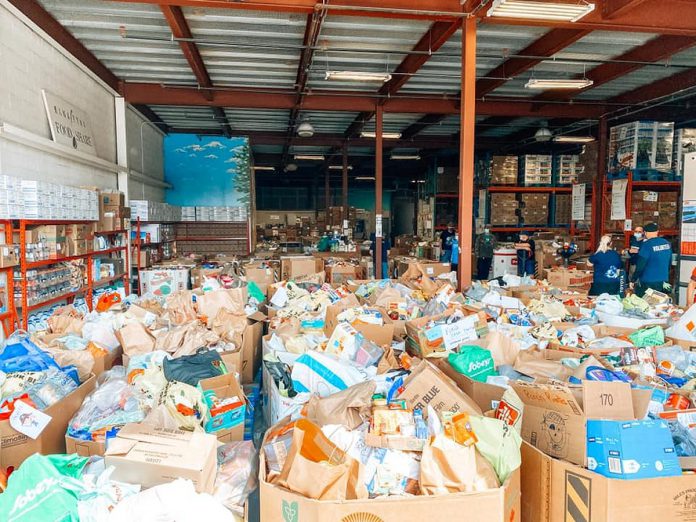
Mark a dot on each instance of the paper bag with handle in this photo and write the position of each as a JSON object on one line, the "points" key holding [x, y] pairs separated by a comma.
{"points": [[350, 407], [180, 307], [449, 467], [318, 469]]}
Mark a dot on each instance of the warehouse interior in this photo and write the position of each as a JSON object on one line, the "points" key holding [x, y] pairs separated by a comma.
{"points": [[189, 145]]}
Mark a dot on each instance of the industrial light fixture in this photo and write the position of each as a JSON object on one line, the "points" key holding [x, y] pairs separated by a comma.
{"points": [[339, 167], [570, 11], [358, 76], [574, 139], [365, 178], [543, 134], [290, 167], [558, 83], [385, 135], [305, 129], [417, 181], [309, 157], [263, 167], [406, 157]]}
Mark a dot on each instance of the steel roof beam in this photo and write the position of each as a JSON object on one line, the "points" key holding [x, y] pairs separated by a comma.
{"points": [[156, 94], [552, 42], [659, 48], [615, 8], [153, 117], [658, 89], [180, 29]]}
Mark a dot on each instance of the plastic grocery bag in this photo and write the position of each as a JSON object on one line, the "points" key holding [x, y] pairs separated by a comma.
{"points": [[474, 362], [43, 488], [609, 304], [323, 374], [318, 469], [237, 474], [176, 500], [449, 467], [499, 443], [101, 496], [653, 336]]}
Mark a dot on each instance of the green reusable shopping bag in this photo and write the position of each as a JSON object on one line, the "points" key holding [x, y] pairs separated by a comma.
{"points": [[474, 362], [44, 488], [499, 443], [653, 336]]}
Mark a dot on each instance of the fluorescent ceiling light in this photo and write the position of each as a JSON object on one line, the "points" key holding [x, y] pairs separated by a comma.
{"points": [[417, 181], [558, 11], [385, 135], [358, 76], [365, 178], [574, 139], [550, 83], [414, 157], [339, 167], [309, 157], [261, 167]]}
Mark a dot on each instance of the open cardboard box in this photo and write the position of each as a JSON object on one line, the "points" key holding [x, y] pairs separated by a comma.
{"points": [[600, 330], [248, 358], [292, 267], [555, 490], [555, 415], [149, 455], [16, 447], [378, 334], [424, 342], [495, 505], [225, 386]]}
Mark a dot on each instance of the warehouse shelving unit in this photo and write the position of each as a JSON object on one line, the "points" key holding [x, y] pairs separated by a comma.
{"points": [[656, 186], [86, 290], [9, 316]]}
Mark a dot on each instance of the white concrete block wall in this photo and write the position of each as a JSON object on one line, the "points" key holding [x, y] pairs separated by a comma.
{"points": [[29, 63]]}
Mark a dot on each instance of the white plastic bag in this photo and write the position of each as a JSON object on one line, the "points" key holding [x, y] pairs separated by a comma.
{"points": [[322, 374]]}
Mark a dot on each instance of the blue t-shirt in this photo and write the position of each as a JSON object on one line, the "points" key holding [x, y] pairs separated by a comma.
{"points": [[658, 254], [607, 266], [455, 252]]}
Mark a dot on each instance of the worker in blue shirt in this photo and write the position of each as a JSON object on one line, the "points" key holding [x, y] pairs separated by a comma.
{"points": [[653, 262]]}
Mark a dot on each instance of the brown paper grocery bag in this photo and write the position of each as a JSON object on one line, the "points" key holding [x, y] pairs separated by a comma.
{"points": [[180, 307], [229, 325], [503, 348], [66, 320], [388, 361], [318, 469], [135, 339], [449, 467], [350, 407], [210, 303], [533, 364]]}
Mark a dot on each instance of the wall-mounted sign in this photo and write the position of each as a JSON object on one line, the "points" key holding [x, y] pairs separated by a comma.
{"points": [[578, 202], [70, 126], [618, 199]]}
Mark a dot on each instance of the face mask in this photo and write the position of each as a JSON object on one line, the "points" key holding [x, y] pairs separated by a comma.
{"points": [[486, 231], [638, 235]]}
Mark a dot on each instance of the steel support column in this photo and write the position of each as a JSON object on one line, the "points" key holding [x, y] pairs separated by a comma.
{"points": [[379, 125], [344, 154], [598, 190], [466, 151], [327, 192]]}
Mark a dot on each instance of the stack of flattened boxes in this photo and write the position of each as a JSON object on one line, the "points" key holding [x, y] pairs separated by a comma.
{"points": [[504, 209]]}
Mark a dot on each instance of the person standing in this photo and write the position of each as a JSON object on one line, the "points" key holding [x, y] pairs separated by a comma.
{"points": [[455, 252], [483, 249], [607, 269], [446, 240], [633, 247], [653, 262], [386, 247], [526, 265]]}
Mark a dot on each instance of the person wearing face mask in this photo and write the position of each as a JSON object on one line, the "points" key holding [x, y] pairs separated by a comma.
{"points": [[446, 239], [634, 246], [526, 265], [483, 249], [653, 262]]}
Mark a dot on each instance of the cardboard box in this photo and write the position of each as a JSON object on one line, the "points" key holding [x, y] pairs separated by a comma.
{"points": [[292, 267], [481, 393], [554, 490], [340, 274], [198, 275], [148, 455], [227, 426], [8, 256], [427, 385], [163, 282], [106, 361], [249, 354], [84, 448], [631, 450], [111, 199], [263, 277], [424, 341], [16, 447], [563, 278], [600, 330], [555, 422], [494, 505], [378, 334]]}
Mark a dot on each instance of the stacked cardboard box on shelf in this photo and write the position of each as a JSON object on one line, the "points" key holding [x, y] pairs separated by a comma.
{"points": [[569, 168], [537, 169], [504, 170], [535, 209], [667, 208], [504, 208], [563, 211], [660, 207]]}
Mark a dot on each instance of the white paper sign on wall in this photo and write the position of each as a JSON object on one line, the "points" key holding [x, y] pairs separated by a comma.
{"points": [[578, 202], [70, 126], [618, 199]]}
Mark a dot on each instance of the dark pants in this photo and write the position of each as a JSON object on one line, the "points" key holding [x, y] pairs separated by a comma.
{"points": [[641, 287], [526, 268], [605, 288], [483, 268]]}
